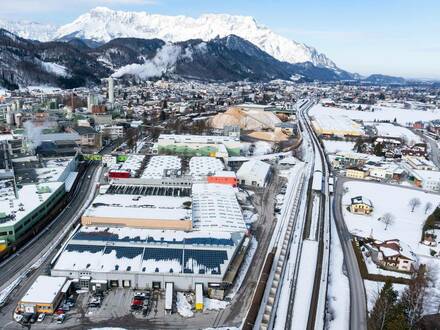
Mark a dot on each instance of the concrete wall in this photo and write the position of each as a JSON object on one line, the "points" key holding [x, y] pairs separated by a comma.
{"points": [[184, 225], [182, 282]]}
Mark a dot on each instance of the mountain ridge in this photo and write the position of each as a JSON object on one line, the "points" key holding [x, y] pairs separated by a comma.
{"points": [[101, 25]]}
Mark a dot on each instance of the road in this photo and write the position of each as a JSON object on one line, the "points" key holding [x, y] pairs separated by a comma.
{"points": [[358, 307]]}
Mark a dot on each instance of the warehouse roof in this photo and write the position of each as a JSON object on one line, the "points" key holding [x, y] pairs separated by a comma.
{"points": [[44, 290], [139, 207], [158, 165], [215, 208], [202, 166]]}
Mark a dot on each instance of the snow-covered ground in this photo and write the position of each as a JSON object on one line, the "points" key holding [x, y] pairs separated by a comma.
{"points": [[262, 148], [432, 299], [214, 304], [333, 147], [402, 116], [183, 306], [390, 130], [338, 293], [373, 288], [407, 226]]}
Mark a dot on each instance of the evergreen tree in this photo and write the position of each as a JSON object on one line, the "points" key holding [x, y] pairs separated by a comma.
{"points": [[383, 308]]}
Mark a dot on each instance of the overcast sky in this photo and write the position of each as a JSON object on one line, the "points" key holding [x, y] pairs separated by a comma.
{"points": [[397, 37]]}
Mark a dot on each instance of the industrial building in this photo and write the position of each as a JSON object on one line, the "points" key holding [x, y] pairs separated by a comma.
{"points": [[44, 295], [162, 166], [153, 231], [198, 145], [253, 173], [341, 126], [28, 199]]}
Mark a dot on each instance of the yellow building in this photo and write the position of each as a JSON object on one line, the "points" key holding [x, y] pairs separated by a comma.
{"points": [[361, 205], [355, 173], [43, 296]]}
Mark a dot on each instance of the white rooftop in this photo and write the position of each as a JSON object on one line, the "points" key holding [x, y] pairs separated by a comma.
{"points": [[44, 289], [255, 167], [203, 166], [139, 207], [159, 164], [215, 208], [196, 138], [30, 196]]}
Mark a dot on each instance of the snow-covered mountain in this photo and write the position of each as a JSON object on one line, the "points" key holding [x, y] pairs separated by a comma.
{"points": [[30, 30], [103, 24]]}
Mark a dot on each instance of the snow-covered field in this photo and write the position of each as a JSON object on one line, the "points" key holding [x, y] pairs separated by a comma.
{"points": [[390, 130], [338, 294], [407, 225], [402, 116], [333, 147]]}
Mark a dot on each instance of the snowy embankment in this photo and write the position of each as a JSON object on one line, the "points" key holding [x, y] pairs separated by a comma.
{"points": [[402, 116], [406, 226], [338, 293]]}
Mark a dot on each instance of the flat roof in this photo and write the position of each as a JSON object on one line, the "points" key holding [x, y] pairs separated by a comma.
{"points": [[159, 164], [215, 208], [139, 207], [30, 197], [197, 138], [202, 166], [44, 290]]}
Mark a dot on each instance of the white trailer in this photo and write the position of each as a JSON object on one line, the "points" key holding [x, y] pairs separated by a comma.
{"points": [[199, 297], [169, 293]]}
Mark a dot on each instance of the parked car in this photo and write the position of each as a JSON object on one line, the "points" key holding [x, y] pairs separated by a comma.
{"points": [[34, 318], [60, 318], [26, 318], [41, 317], [59, 311]]}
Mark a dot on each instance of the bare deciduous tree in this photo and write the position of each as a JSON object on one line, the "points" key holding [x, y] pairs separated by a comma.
{"points": [[387, 219], [428, 206], [413, 203]]}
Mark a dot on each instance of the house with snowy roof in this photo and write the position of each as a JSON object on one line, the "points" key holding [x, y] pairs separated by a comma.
{"points": [[392, 255], [360, 205]]}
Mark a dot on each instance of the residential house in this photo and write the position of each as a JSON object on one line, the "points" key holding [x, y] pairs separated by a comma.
{"points": [[361, 205], [392, 255]]}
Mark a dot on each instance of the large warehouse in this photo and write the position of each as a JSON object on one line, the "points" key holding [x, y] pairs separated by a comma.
{"points": [[342, 126], [159, 234], [198, 145]]}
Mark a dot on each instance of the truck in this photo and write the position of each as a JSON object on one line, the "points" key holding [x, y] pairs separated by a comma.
{"points": [[199, 297], [169, 293]]}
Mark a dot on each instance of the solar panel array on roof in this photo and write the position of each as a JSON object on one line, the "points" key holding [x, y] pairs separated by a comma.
{"points": [[145, 190], [105, 236], [124, 251], [191, 261], [84, 248]]}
